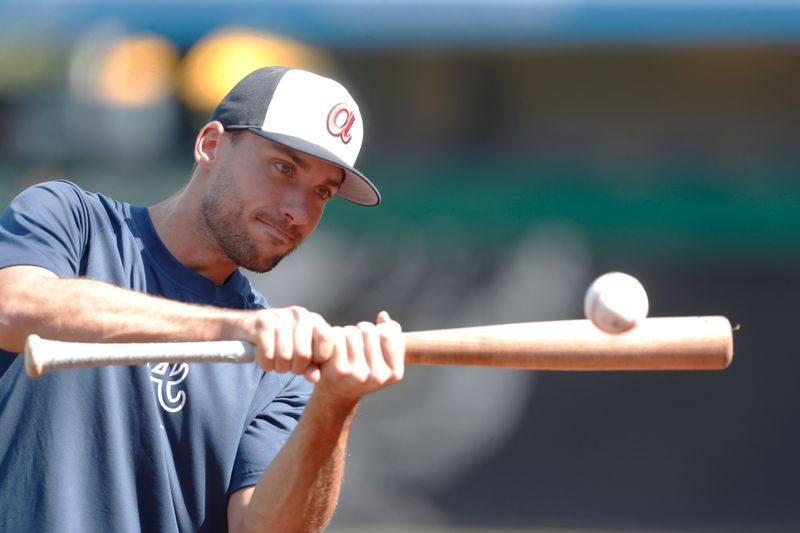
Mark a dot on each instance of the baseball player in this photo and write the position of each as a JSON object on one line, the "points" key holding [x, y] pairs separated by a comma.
{"points": [[177, 447]]}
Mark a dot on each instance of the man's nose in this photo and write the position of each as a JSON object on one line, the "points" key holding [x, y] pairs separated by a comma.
{"points": [[295, 206]]}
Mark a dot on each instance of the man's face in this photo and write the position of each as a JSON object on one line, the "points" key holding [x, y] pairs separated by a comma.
{"points": [[264, 199]]}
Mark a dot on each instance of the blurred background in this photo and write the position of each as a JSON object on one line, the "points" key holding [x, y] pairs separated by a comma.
{"points": [[522, 148]]}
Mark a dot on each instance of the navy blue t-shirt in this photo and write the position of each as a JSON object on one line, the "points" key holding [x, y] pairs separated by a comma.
{"points": [[129, 448]]}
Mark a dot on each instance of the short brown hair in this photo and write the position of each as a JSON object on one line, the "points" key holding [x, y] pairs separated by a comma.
{"points": [[235, 134]]}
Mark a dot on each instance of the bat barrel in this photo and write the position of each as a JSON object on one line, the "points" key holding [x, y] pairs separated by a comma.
{"points": [[671, 343]]}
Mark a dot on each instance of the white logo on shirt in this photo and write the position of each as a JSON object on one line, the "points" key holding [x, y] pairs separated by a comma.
{"points": [[168, 377]]}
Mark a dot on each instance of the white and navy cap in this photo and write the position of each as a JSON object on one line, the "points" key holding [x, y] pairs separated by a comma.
{"points": [[305, 112]]}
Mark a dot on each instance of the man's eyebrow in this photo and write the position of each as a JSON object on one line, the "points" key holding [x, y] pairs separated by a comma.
{"points": [[291, 154], [336, 183]]}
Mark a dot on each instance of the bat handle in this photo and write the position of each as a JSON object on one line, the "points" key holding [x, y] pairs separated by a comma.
{"points": [[43, 355]]}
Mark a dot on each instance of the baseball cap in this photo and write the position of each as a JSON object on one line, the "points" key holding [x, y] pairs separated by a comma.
{"points": [[305, 112]]}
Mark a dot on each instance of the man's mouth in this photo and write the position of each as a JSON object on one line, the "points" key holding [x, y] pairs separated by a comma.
{"points": [[277, 231]]}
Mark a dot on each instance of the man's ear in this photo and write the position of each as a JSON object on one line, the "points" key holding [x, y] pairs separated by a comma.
{"points": [[207, 143]]}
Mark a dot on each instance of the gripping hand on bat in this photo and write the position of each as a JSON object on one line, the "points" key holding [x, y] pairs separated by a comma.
{"points": [[349, 361]]}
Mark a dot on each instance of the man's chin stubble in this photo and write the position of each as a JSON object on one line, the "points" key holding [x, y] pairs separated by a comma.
{"points": [[265, 266]]}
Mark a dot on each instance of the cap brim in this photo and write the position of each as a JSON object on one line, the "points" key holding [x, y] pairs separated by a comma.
{"points": [[355, 187]]}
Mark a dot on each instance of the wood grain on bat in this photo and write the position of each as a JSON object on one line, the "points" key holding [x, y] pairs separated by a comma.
{"points": [[672, 343]]}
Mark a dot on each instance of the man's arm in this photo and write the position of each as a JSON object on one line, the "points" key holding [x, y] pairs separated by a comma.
{"points": [[35, 300], [300, 488]]}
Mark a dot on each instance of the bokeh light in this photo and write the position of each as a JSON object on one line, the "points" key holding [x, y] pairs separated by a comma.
{"points": [[138, 71], [133, 70], [214, 65]]}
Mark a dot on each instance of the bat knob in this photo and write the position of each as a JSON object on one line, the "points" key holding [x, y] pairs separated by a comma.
{"points": [[33, 367]]}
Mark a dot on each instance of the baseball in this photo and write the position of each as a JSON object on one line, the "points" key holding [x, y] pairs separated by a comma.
{"points": [[615, 302]]}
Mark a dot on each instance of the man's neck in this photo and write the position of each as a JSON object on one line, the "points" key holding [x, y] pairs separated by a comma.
{"points": [[179, 223]]}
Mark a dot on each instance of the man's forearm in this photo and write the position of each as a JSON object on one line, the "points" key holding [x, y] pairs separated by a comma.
{"points": [[33, 300], [300, 489]]}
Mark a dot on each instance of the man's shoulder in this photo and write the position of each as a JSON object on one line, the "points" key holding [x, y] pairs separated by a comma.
{"points": [[61, 191], [58, 186]]}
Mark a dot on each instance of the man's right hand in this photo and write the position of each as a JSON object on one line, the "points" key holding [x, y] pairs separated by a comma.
{"points": [[346, 362]]}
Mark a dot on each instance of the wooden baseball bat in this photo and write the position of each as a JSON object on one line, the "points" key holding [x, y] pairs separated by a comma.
{"points": [[670, 343]]}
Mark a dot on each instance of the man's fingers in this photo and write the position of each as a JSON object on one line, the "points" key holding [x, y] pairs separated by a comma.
{"points": [[264, 341], [339, 359], [355, 354], [324, 342], [383, 317], [306, 328], [358, 359], [313, 373], [393, 345], [378, 371], [284, 341]]}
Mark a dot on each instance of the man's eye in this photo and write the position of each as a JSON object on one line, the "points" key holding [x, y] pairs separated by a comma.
{"points": [[283, 167], [324, 193]]}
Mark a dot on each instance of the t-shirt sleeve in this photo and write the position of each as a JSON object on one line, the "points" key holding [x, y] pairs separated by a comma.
{"points": [[45, 226], [269, 429]]}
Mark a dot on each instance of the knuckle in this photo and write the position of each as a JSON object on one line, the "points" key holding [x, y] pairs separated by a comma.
{"points": [[369, 331], [388, 329], [377, 379], [325, 336], [263, 320], [335, 334], [283, 350], [341, 371], [361, 376], [264, 358], [302, 356], [366, 326], [266, 342], [397, 371], [283, 353], [353, 336], [298, 312], [266, 353]]}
